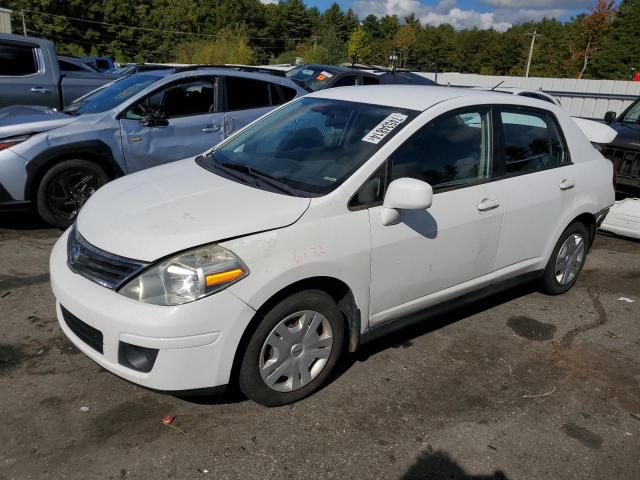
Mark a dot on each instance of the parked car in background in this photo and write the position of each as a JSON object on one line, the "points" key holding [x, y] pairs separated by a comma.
{"points": [[101, 64], [32, 74], [54, 160], [318, 77], [624, 218], [624, 151], [323, 225]]}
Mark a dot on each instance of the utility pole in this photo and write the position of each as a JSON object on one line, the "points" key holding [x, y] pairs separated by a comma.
{"points": [[24, 24], [533, 41]]}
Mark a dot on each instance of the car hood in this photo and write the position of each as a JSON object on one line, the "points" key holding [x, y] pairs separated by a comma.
{"points": [[628, 135], [166, 209], [19, 119]]}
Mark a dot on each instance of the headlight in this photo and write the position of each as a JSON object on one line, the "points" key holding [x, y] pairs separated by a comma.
{"points": [[11, 141], [187, 277]]}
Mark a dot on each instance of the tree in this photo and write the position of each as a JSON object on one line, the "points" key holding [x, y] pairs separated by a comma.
{"points": [[358, 46], [232, 46], [591, 31], [405, 41], [620, 52]]}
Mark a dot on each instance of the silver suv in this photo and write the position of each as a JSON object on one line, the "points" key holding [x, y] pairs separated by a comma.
{"points": [[54, 160]]}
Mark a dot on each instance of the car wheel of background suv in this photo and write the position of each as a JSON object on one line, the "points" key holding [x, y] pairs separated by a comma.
{"points": [[567, 259], [293, 350], [65, 188]]}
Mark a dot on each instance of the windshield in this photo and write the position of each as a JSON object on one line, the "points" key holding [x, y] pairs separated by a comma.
{"points": [[111, 95], [312, 77], [309, 146], [633, 114]]}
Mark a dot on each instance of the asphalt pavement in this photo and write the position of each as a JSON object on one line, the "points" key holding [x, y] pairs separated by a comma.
{"points": [[518, 386]]}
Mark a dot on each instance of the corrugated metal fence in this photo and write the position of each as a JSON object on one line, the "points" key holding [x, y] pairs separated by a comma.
{"points": [[581, 98]]}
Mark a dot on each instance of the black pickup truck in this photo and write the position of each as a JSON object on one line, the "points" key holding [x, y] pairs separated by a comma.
{"points": [[32, 74], [624, 151]]}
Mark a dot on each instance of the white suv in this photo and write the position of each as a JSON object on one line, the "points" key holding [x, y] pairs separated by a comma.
{"points": [[320, 226]]}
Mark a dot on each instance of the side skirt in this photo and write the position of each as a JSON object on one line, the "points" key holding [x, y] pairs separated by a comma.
{"points": [[458, 302]]}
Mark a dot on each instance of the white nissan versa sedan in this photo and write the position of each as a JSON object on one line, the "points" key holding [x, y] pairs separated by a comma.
{"points": [[320, 226]]}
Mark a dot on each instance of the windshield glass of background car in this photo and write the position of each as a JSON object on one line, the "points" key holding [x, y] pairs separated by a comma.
{"points": [[313, 145], [112, 95], [633, 114], [313, 78]]}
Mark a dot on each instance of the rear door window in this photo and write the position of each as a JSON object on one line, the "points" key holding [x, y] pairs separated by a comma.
{"points": [[17, 60], [246, 93], [532, 141]]}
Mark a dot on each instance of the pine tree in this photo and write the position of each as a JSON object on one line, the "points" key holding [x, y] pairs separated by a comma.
{"points": [[620, 53]]}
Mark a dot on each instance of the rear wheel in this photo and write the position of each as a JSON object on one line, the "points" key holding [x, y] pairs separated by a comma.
{"points": [[567, 259], [293, 350], [65, 188]]}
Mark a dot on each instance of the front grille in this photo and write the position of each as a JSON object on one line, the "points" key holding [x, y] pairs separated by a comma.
{"points": [[103, 268], [627, 162], [84, 332]]}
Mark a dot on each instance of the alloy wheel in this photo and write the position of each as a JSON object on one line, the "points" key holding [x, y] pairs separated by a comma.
{"points": [[70, 190]]}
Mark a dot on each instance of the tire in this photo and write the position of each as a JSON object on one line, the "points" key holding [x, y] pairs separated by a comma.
{"points": [[65, 188], [300, 362], [559, 276]]}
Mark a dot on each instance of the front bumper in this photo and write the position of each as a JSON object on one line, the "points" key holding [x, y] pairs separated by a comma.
{"points": [[196, 342]]}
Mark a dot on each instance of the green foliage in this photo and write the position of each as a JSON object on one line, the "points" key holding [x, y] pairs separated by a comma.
{"points": [[248, 31], [232, 46], [620, 53]]}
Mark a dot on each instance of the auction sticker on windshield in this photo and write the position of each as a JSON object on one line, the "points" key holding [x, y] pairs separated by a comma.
{"points": [[384, 128]]}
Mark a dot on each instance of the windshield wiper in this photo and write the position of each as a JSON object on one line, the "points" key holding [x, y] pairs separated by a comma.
{"points": [[274, 182]]}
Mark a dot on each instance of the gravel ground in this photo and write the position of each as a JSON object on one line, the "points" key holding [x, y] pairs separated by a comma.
{"points": [[519, 386]]}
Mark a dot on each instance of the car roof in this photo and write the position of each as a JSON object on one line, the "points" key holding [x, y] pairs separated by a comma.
{"points": [[412, 97], [198, 72]]}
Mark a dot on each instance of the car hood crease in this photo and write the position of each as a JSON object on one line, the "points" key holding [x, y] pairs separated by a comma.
{"points": [[177, 206]]}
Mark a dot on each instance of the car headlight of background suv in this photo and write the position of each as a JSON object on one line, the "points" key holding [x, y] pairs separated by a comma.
{"points": [[187, 276]]}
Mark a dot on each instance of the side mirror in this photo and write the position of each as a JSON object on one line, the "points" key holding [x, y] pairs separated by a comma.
{"points": [[405, 194], [610, 117], [154, 118]]}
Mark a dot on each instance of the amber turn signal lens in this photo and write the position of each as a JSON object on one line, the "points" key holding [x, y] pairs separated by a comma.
{"points": [[223, 277]]}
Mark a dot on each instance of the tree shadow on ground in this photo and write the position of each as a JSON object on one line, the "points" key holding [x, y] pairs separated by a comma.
{"points": [[440, 466]]}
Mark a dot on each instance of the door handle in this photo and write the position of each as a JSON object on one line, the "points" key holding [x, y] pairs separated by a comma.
{"points": [[567, 184], [488, 204], [39, 90], [212, 127]]}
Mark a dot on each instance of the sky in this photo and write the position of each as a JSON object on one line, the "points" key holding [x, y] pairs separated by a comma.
{"points": [[499, 14]]}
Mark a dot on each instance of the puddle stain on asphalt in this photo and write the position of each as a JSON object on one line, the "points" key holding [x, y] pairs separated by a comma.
{"points": [[568, 338], [7, 282], [11, 357], [585, 436], [531, 329]]}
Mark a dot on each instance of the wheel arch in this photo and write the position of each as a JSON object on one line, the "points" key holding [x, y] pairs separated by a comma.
{"points": [[94, 151], [589, 221], [335, 288]]}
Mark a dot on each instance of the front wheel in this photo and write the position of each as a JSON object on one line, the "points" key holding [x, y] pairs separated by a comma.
{"points": [[567, 260], [293, 350], [65, 188]]}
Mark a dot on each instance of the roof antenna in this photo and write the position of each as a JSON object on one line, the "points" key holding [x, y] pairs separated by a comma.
{"points": [[492, 89]]}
